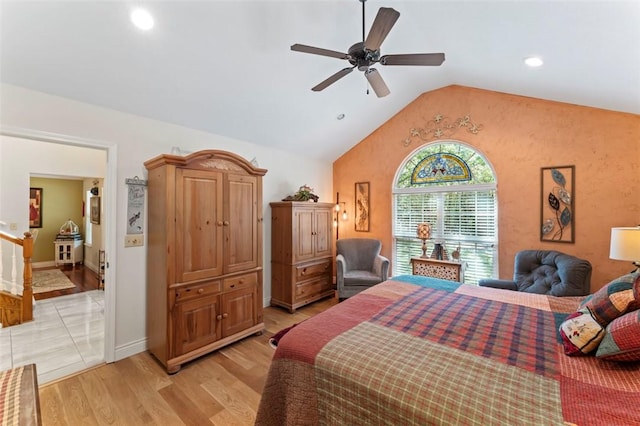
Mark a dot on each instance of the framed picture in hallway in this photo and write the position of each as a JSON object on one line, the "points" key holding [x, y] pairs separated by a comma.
{"points": [[362, 207], [94, 210], [35, 207]]}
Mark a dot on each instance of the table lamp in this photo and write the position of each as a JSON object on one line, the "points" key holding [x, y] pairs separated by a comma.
{"points": [[625, 245], [424, 232]]}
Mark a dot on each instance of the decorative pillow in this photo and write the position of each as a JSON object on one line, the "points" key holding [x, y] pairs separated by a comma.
{"points": [[618, 297], [583, 330], [622, 339], [581, 333]]}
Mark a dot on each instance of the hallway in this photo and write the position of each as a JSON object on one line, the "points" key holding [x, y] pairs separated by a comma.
{"points": [[66, 336]]}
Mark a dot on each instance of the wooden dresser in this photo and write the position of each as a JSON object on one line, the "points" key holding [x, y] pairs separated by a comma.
{"points": [[204, 261], [301, 253]]}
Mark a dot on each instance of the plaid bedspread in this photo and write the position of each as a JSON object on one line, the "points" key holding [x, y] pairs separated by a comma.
{"points": [[423, 351]]}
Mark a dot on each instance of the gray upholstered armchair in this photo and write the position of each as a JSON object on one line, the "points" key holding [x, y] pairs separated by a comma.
{"points": [[359, 265], [547, 272]]}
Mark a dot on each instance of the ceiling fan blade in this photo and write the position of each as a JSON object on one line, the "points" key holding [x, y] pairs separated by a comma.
{"points": [[329, 81], [413, 59], [318, 51], [385, 19], [377, 83]]}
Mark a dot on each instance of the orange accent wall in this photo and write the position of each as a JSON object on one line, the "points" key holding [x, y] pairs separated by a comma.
{"points": [[519, 136]]}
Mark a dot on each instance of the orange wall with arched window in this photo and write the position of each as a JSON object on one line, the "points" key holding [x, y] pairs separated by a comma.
{"points": [[519, 136]]}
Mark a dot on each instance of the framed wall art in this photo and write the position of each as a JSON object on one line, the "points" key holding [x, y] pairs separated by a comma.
{"points": [[35, 207], [362, 207], [557, 212], [94, 210]]}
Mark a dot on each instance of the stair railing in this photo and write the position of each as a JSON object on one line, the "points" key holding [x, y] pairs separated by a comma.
{"points": [[8, 314]]}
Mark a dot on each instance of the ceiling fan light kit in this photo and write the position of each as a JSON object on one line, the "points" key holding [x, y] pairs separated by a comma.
{"points": [[363, 55]]}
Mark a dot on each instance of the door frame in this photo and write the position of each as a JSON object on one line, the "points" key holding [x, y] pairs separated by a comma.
{"points": [[109, 218]]}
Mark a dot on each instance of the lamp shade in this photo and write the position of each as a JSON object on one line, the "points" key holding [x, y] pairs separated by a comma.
{"points": [[625, 244], [423, 231]]}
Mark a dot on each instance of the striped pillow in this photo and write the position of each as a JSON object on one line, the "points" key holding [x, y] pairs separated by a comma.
{"points": [[622, 339]]}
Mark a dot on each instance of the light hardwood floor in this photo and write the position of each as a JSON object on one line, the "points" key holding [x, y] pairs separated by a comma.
{"points": [[222, 388]]}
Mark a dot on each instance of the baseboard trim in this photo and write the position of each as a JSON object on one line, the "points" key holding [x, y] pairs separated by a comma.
{"points": [[46, 264], [130, 349]]}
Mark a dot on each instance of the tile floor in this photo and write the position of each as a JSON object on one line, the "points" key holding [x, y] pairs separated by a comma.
{"points": [[66, 336]]}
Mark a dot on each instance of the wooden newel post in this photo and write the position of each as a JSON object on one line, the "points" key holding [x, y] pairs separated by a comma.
{"points": [[27, 292]]}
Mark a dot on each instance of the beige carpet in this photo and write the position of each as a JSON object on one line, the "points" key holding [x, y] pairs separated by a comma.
{"points": [[49, 280]]}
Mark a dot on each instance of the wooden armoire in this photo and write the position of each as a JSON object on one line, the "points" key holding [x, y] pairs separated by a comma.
{"points": [[204, 261], [301, 253]]}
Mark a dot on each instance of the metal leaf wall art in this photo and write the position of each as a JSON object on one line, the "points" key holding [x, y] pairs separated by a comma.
{"points": [[557, 212]]}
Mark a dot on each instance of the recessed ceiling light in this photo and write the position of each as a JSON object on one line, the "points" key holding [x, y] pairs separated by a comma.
{"points": [[142, 19], [533, 61]]}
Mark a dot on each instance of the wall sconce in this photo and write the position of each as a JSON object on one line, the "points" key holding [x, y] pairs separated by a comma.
{"points": [[340, 206], [344, 216]]}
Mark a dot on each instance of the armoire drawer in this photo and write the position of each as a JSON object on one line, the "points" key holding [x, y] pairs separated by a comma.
{"points": [[312, 288], [241, 281], [197, 290], [304, 272]]}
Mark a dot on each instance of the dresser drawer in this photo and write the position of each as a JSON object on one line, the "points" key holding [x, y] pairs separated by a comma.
{"points": [[196, 290], [310, 270], [240, 281], [312, 288]]}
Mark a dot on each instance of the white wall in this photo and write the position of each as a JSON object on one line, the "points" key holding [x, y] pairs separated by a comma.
{"points": [[138, 139], [23, 157]]}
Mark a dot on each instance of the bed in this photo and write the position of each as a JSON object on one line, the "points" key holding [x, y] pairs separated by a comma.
{"points": [[420, 351]]}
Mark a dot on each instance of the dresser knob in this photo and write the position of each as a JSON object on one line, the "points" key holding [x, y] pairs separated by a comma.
{"points": [[200, 290], [225, 315], [219, 317]]}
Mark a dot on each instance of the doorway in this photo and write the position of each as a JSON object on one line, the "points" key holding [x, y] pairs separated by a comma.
{"points": [[19, 162]]}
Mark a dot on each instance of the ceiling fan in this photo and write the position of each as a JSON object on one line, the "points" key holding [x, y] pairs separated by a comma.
{"points": [[366, 53]]}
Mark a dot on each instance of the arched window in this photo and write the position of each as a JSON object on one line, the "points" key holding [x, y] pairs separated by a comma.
{"points": [[452, 187]]}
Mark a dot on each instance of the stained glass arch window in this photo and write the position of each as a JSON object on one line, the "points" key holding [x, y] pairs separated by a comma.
{"points": [[451, 186], [453, 154], [440, 167]]}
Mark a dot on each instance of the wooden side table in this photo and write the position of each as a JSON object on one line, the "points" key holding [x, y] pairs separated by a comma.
{"points": [[443, 269], [68, 251]]}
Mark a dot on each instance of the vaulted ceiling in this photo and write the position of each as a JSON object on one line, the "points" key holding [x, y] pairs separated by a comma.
{"points": [[226, 67]]}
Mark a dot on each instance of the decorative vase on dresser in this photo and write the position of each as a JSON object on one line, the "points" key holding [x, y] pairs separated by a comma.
{"points": [[204, 259], [301, 253]]}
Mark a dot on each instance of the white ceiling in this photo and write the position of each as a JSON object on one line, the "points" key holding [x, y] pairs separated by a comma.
{"points": [[226, 67]]}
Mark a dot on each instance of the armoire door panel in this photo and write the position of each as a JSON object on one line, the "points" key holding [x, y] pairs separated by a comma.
{"points": [[197, 323], [199, 222], [303, 230], [241, 224], [324, 232], [238, 311]]}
